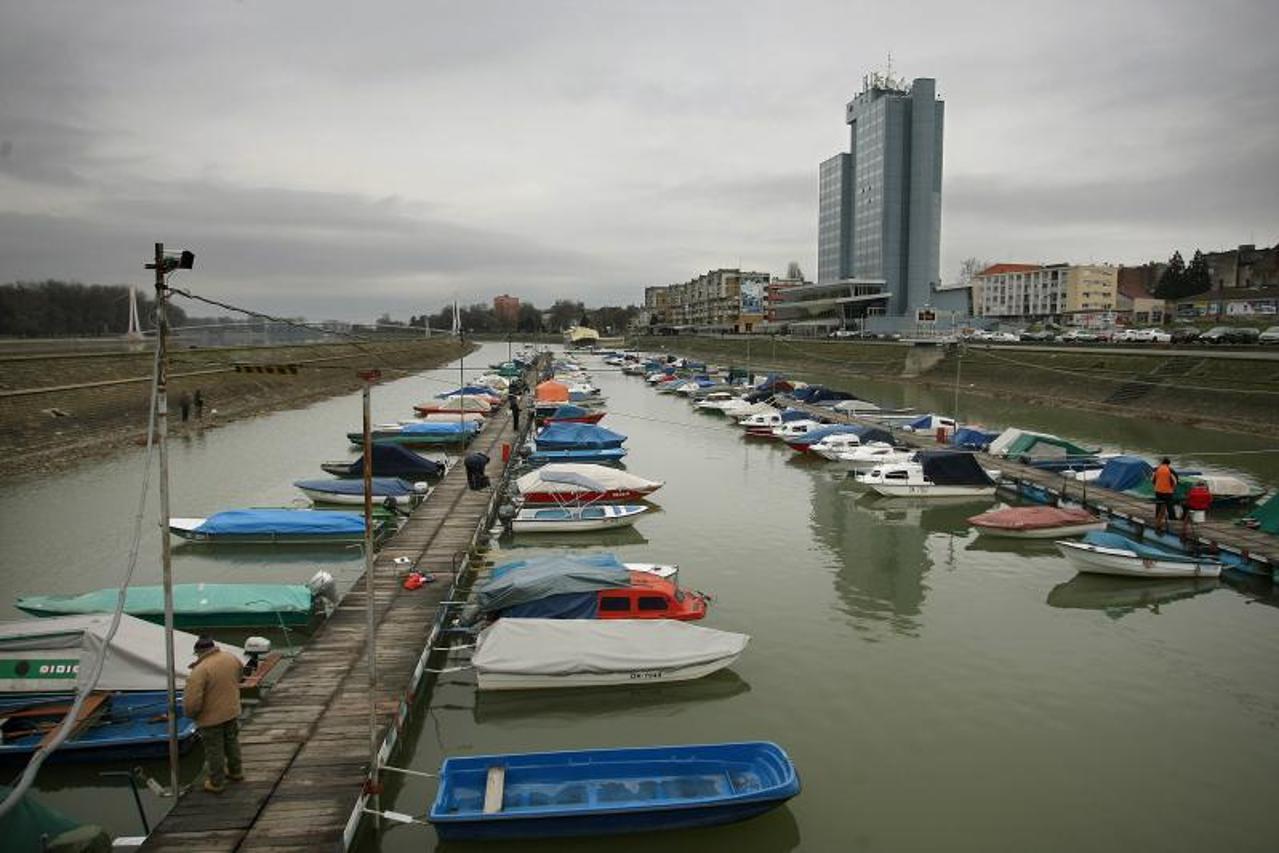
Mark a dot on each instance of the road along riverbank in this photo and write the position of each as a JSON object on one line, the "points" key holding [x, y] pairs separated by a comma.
{"points": [[1233, 391], [58, 409]]}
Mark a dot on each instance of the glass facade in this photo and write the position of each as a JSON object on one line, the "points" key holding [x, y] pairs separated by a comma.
{"points": [[833, 215]]}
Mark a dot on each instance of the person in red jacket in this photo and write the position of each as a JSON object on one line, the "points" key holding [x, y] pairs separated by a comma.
{"points": [[1198, 499]]}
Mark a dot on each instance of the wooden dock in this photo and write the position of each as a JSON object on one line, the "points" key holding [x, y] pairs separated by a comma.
{"points": [[1261, 548], [306, 745]]}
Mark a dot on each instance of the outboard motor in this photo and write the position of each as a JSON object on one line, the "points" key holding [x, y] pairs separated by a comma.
{"points": [[323, 589], [255, 648], [506, 515]]}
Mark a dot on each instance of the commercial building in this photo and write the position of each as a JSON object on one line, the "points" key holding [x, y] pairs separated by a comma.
{"points": [[879, 204], [723, 300], [507, 309], [775, 293], [1082, 295]]}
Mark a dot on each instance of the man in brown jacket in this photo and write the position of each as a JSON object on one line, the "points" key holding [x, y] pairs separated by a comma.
{"points": [[212, 699]]}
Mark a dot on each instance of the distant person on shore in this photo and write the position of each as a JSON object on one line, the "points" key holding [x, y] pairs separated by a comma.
{"points": [[212, 699], [184, 404], [513, 400], [199, 404], [1164, 480]]}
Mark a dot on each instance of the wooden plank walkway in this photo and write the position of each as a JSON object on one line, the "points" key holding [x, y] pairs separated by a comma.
{"points": [[306, 745], [1255, 544]]}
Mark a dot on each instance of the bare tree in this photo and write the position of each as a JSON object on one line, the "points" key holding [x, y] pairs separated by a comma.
{"points": [[793, 272], [970, 267]]}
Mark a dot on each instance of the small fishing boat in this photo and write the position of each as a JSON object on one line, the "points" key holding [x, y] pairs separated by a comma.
{"points": [[273, 527], [575, 519], [389, 460], [1036, 522], [351, 492], [1112, 554], [604, 456], [460, 403], [933, 474], [605, 791], [583, 586], [202, 605], [40, 661], [529, 654], [568, 413], [583, 483], [421, 433]]}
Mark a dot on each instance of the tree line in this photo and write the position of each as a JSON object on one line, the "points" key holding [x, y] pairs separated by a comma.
{"points": [[482, 317], [1179, 280], [30, 309]]}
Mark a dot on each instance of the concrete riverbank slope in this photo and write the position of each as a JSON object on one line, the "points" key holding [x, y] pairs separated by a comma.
{"points": [[57, 409], [1231, 390]]}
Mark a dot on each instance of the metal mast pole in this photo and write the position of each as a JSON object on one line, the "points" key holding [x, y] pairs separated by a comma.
{"points": [[166, 557], [959, 362], [370, 587]]}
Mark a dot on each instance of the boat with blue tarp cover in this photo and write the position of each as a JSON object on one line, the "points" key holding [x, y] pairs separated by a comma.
{"points": [[201, 605], [1113, 554], [605, 456], [971, 438], [274, 526], [568, 413], [385, 489], [609, 791], [421, 433], [389, 460], [578, 436]]}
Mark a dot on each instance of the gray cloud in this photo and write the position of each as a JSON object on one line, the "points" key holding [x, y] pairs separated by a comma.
{"points": [[328, 158]]}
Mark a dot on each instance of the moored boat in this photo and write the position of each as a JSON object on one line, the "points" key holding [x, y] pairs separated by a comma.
{"points": [[351, 492], [273, 527], [202, 605], [583, 483], [575, 519], [529, 654], [933, 474], [1112, 554], [1036, 522], [606, 791], [421, 433], [460, 403], [389, 460]]}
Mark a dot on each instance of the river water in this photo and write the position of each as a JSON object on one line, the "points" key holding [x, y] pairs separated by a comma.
{"points": [[934, 690]]}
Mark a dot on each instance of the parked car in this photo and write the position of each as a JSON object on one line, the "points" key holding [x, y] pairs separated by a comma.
{"points": [[1269, 336], [1078, 336], [1184, 334], [845, 333], [1041, 336], [1003, 338], [1230, 335]]}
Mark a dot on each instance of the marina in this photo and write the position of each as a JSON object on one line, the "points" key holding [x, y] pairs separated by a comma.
{"points": [[920, 610]]}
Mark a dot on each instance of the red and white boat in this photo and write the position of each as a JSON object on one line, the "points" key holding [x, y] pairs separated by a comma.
{"points": [[460, 403], [1036, 522], [583, 483]]}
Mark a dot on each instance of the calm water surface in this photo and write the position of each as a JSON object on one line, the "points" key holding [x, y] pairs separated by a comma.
{"points": [[934, 690]]}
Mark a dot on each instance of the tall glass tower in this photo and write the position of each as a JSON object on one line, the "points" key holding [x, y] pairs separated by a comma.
{"points": [[880, 204]]}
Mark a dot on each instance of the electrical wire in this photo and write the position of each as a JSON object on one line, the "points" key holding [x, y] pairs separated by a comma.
{"points": [[87, 686]]}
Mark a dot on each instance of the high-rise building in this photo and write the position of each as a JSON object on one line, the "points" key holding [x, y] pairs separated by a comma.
{"points": [[507, 309], [879, 215]]}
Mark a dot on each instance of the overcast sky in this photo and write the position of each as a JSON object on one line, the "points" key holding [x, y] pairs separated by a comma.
{"points": [[341, 159]]}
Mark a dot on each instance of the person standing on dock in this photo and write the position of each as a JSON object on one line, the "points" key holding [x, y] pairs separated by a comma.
{"points": [[1164, 480], [199, 404], [212, 699], [184, 403], [514, 400]]}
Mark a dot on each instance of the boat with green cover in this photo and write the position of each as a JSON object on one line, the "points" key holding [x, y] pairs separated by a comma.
{"points": [[202, 605]]}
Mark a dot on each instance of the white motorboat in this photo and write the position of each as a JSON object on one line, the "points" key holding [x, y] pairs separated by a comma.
{"points": [[932, 474], [762, 423], [575, 519], [716, 401], [830, 446], [1112, 554], [749, 410], [534, 654], [870, 456]]}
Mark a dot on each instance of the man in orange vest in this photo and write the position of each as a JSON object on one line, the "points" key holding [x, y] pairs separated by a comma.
{"points": [[1165, 483]]}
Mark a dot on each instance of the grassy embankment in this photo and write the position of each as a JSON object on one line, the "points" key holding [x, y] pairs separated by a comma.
{"points": [[58, 428], [1204, 388]]}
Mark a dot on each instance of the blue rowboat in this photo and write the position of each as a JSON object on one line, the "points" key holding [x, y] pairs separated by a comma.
{"points": [[609, 791], [125, 726]]}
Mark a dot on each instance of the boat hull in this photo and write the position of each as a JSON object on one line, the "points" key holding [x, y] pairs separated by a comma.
{"points": [[655, 675], [931, 490], [610, 496], [1111, 561], [575, 525], [133, 727], [340, 499], [186, 529]]}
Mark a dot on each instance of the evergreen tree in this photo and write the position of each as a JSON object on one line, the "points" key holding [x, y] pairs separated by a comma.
{"points": [[1198, 279], [1173, 281]]}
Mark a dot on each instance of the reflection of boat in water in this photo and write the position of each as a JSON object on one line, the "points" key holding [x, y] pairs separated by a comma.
{"points": [[1259, 590], [611, 538], [933, 515], [1118, 596], [592, 702]]}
